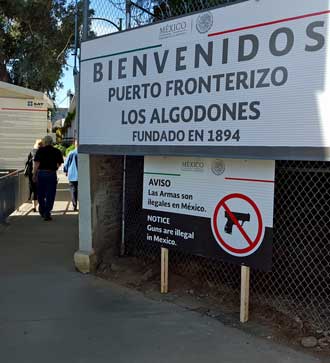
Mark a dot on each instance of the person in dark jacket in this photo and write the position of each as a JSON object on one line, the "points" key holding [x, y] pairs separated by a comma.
{"points": [[33, 195], [46, 162]]}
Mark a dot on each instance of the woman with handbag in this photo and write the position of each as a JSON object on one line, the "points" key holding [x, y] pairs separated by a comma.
{"points": [[28, 172]]}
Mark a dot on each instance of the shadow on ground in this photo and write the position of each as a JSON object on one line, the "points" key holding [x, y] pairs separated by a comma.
{"points": [[50, 313]]}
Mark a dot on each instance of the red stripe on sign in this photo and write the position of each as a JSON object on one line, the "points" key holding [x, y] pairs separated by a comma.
{"points": [[269, 23], [238, 225], [251, 180], [21, 109]]}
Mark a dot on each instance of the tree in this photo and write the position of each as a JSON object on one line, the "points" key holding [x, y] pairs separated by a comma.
{"points": [[35, 41]]}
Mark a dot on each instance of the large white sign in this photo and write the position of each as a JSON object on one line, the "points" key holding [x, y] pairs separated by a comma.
{"points": [[212, 206], [246, 79]]}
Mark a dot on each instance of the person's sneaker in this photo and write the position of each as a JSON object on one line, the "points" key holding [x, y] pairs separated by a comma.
{"points": [[47, 218]]}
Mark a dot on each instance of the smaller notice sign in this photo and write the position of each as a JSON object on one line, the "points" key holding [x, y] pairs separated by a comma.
{"points": [[219, 208]]}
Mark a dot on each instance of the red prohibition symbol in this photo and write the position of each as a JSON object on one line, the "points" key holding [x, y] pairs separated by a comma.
{"points": [[253, 244]]}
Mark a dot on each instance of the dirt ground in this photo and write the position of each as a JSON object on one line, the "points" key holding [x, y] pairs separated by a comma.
{"points": [[218, 302]]}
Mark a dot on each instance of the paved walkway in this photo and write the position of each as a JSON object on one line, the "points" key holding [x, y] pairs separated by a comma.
{"points": [[51, 314]]}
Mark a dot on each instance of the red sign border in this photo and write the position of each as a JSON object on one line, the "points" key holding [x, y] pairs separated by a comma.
{"points": [[220, 240]]}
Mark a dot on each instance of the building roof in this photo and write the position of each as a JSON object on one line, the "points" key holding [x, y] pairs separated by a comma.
{"points": [[59, 114], [12, 91]]}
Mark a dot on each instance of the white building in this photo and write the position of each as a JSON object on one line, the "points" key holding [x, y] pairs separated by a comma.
{"points": [[71, 133], [23, 119]]}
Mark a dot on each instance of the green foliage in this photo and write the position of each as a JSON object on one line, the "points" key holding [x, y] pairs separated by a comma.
{"points": [[61, 148], [69, 149], [68, 121], [69, 118], [35, 41], [59, 135]]}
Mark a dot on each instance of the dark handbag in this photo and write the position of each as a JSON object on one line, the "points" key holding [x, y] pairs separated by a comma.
{"points": [[28, 166]]}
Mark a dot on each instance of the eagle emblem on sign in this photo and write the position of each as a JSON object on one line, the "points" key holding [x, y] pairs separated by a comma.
{"points": [[204, 22], [218, 167]]}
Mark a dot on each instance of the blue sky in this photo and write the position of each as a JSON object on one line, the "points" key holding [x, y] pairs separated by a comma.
{"points": [[67, 80]]}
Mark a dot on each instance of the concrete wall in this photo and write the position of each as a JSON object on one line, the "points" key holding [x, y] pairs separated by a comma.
{"points": [[100, 204], [106, 198], [14, 191]]}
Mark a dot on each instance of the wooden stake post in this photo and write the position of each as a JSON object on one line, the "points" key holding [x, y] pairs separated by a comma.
{"points": [[164, 271], [245, 293], [245, 284]]}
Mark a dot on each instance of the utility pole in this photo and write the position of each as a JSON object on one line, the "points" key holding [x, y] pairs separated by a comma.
{"points": [[85, 20], [76, 74], [122, 245]]}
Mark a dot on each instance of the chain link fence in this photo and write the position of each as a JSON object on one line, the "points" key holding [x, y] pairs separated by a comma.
{"points": [[299, 283], [109, 16]]}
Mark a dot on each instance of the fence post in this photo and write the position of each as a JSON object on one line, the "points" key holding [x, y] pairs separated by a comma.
{"points": [[128, 14], [84, 258], [164, 271], [18, 196], [122, 245], [85, 31], [245, 294]]}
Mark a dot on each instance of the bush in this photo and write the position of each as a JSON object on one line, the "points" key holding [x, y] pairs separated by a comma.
{"points": [[61, 148], [69, 149]]}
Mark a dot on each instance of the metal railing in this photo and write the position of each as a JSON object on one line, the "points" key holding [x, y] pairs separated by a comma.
{"points": [[14, 191]]}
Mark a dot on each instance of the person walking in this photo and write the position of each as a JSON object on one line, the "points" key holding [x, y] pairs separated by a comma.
{"points": [[46, 162], [71, 171], [29, 173]]}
